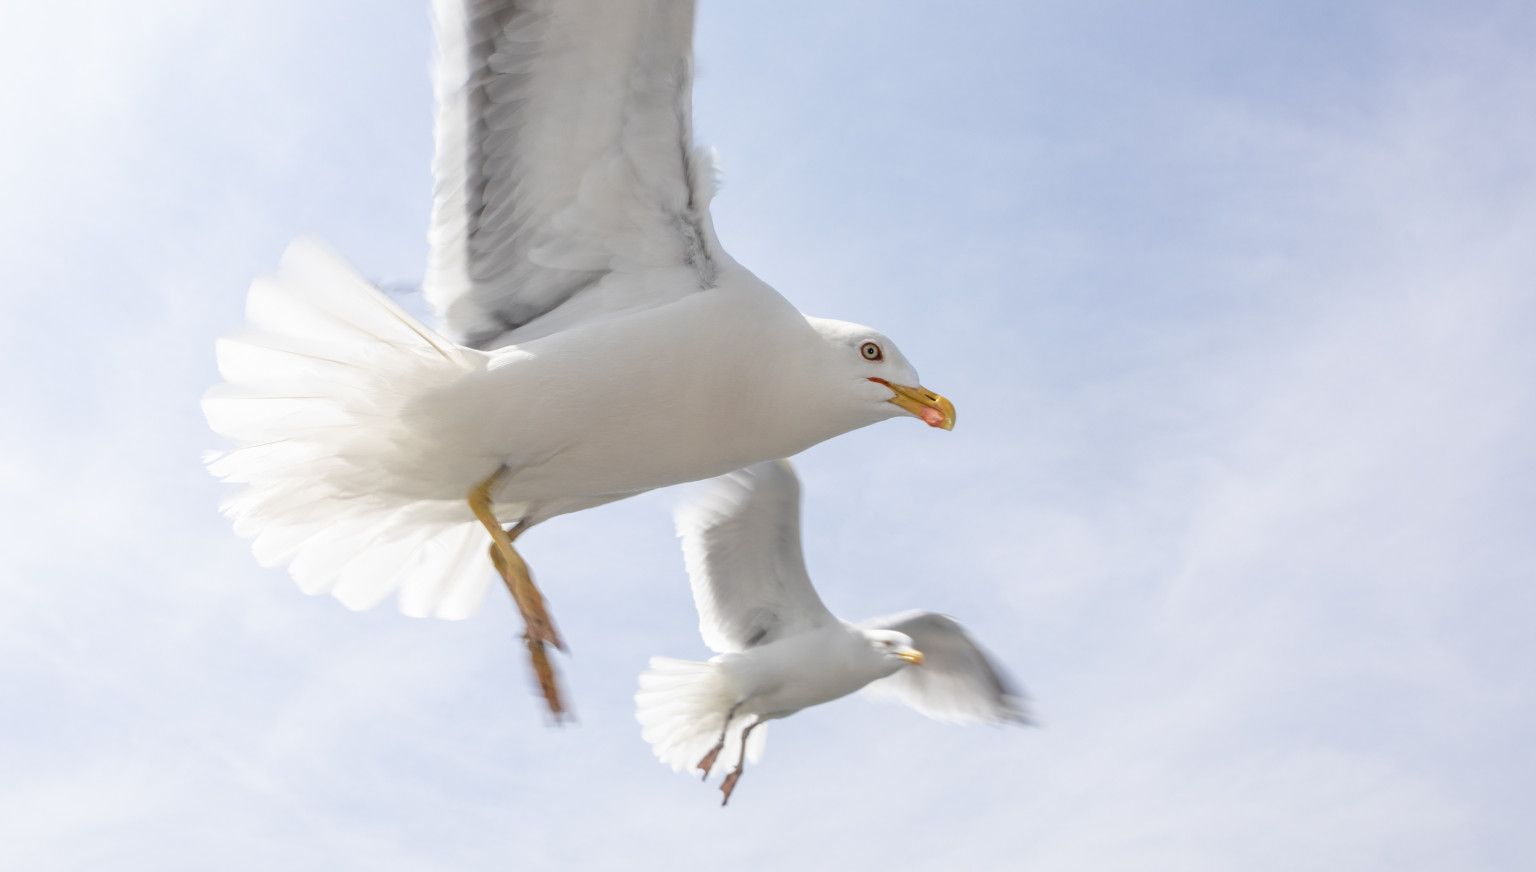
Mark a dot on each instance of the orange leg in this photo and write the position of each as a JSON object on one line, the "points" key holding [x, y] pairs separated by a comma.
{"points": [[728, 786], [707, 762], [540, 633]]}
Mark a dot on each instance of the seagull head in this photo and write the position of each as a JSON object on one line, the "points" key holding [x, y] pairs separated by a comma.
{"points": [[867, 366], [894, 648]]}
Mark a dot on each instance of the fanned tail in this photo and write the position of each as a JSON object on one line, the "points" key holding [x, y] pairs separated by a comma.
{"points": [[681, 707], [338, 482]]}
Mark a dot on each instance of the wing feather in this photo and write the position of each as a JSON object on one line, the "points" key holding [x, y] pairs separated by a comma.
{"points": [[564, 154], [741, 544], [957, 682]]}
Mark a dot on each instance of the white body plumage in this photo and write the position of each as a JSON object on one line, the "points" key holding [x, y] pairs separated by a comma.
{"points": [[360, 431], [695, 388], [610, 345], [793, 673], [781, 649]]}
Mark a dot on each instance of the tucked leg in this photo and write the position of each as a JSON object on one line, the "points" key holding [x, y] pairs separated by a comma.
{"points": [[540, 631], [707, 762], [728, 786]]}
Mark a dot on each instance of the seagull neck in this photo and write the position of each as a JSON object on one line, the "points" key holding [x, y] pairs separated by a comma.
{"points": [[822, 389]]}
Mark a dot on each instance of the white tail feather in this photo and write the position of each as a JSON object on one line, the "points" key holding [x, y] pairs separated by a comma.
{"points": [[681, 707], [336, 479]]}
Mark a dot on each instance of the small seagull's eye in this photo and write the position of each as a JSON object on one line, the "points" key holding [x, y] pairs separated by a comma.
{"points": [[871, 351]]}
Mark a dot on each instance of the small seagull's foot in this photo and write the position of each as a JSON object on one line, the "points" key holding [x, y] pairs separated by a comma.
{"points": [[729, 785], [707, 762]]}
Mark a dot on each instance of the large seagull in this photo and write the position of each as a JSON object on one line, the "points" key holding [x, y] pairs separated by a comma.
{"points": [[600, 342]]}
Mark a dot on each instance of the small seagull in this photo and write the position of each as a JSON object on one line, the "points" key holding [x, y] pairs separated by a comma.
{"points": [[781, 650]]}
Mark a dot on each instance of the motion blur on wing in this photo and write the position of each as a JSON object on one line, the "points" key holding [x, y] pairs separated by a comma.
{"points": [[781, 650]]}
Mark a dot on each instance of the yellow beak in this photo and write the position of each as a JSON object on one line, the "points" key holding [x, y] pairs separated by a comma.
{"points": [[936, 411], [911, 655]]}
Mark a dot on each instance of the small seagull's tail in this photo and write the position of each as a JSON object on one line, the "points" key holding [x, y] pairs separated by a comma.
{"points": [[682, 706], [337, 473]]}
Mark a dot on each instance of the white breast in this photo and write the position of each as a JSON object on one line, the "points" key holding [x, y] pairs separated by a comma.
{"points": [[679, 393], [804, 670]]}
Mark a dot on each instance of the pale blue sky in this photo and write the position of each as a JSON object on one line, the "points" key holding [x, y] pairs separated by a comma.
{"points": [[1236, 303]]}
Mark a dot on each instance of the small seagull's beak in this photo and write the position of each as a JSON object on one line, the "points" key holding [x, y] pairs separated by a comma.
{"points": [[935, 410], [911, 655]]}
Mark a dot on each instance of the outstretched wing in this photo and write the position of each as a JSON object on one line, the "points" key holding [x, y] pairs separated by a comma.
{"points": [[565, 158], [957, 682], [741, 543]]}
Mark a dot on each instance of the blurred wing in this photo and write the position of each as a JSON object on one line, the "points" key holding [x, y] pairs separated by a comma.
{"points": [[741, 543], [956, 683], [565, 166]]}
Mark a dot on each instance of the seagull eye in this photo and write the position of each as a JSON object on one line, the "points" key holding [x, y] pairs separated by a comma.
{"points": [[871, 351]]}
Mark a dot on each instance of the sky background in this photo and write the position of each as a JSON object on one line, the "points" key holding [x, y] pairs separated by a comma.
{"points": [[1236, 302]]}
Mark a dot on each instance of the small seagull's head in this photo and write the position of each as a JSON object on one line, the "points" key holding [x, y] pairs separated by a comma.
{"points": [[869, 366], [894, 647]]}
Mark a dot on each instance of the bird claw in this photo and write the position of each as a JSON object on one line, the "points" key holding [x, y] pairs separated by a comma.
{"points": [[728, 786], [707, 762]]}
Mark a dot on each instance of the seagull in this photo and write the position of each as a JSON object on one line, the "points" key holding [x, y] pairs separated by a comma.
{"points": [[781, 650], [597, 341]]}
